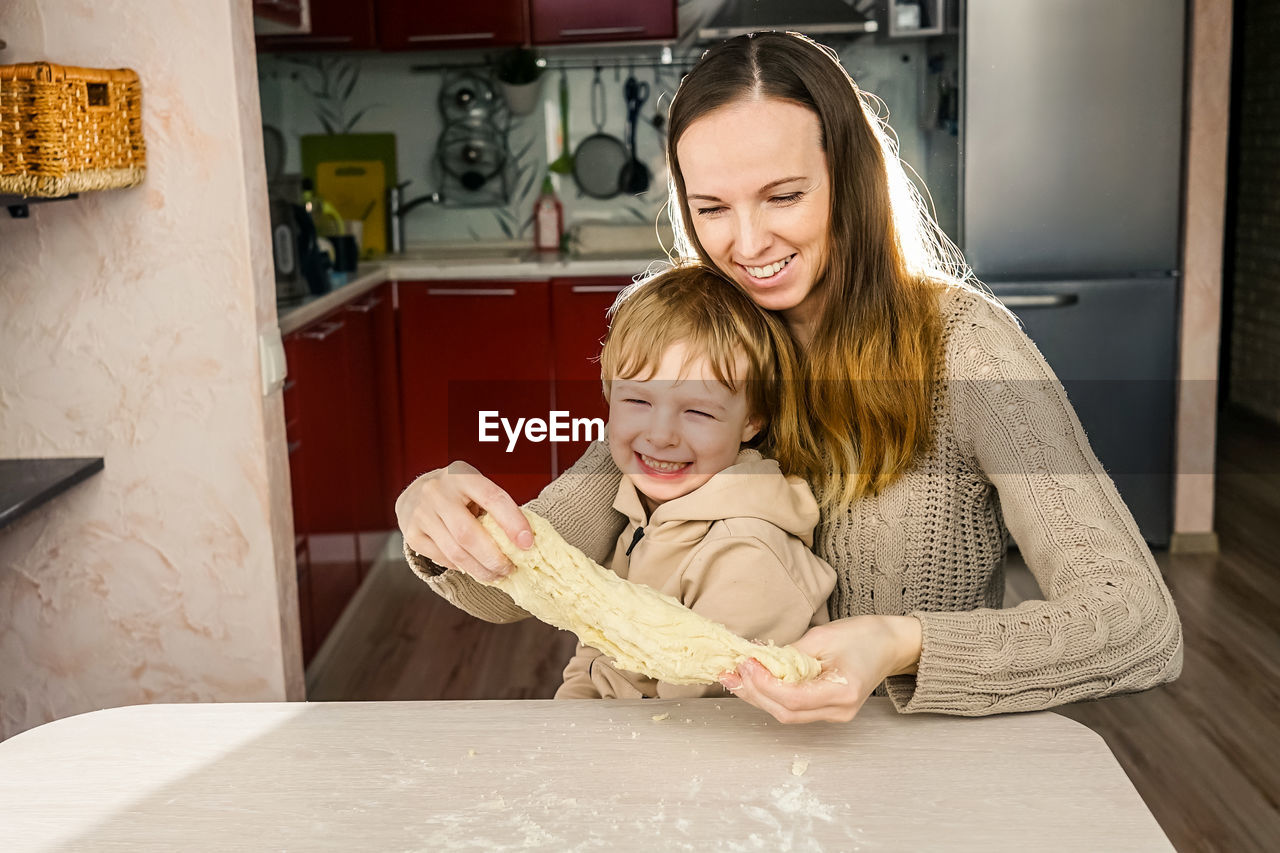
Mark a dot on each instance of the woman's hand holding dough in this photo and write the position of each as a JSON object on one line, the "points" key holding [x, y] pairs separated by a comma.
{"points": [[437, 515], [856, 655]]}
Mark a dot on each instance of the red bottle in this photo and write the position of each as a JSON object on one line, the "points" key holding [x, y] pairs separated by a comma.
{"points": [[548, 219]]}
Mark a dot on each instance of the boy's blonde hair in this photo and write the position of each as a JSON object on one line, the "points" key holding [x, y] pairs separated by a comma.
{"points": [[697, 307]]}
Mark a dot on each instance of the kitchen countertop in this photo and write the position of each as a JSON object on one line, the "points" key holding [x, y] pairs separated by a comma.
{"points": [[438, 265], [27, 483], [569, 775]]}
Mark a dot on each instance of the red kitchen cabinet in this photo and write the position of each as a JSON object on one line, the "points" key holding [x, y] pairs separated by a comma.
{"points": [[387, 382], [335, 25], [579, 323], [342, 423], [415, 25], [468, 347], [318, 364], [373, 440], [569, 21], [319, 420]]}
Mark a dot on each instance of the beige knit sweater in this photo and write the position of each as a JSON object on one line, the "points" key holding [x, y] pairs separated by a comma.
{"points": [[1008, 458]]}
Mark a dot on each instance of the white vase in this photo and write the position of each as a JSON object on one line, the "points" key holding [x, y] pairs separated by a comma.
{"points": [[522, 98]]}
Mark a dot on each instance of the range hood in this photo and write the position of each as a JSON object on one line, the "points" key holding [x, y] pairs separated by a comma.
{"points": [[811, 17]]}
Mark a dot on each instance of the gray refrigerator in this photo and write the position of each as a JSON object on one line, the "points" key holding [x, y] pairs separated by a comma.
{"points": [[1070, 190]]}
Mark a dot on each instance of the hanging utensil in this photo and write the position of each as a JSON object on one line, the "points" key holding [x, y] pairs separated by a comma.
{"points": [[598, 159], [659, 120], [563, 164], [634, 177]]}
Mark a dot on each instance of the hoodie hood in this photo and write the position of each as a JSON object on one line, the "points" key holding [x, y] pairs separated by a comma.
{"points": [[753, 487]]}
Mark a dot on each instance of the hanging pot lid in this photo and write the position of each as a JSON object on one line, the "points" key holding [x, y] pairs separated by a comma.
{"points": [[472, 151], [467, 96]]}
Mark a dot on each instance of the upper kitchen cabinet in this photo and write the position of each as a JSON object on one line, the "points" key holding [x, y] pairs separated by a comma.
{"points": [[414, 25], [570, 21], [335, 25]]}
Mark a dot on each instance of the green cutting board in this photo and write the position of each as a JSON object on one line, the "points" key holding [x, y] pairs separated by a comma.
{"points": [[322, 148]]}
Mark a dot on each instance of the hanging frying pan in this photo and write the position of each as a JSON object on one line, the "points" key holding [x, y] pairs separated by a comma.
{"points": [[598, 159]]}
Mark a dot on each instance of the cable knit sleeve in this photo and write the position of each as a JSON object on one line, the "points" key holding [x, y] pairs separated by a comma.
{"points": [[1107, 623], [579, 505]]}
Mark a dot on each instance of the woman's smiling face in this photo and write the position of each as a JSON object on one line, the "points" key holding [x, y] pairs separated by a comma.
{"points": [[759, 195]]}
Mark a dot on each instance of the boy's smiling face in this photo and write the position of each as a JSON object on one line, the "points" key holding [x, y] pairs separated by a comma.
{"points": [[672, 431]]}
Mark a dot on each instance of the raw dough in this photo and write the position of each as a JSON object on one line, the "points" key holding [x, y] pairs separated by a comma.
{"points": [[643, 630]]}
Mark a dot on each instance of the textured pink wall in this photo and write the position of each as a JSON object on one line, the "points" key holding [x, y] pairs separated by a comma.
{"points": [[129, 323]]}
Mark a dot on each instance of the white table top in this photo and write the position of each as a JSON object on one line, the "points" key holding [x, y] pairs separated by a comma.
{"points": [[583, 775]]}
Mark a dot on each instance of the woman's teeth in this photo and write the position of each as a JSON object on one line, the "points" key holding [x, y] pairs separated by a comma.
{"points": [[771, 270], [659, 465]]}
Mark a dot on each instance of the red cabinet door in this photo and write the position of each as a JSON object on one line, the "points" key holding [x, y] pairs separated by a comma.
{"points": [[468, 347], [317, 358], [335, 25], [418, 25], [387, 382], [578, 323], [565, 21], [323, 471], [370, 408]]}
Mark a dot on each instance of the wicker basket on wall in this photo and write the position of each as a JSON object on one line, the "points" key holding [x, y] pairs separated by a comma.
{"points": [[67, 130]]}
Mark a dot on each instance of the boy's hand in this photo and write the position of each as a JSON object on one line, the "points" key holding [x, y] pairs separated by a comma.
{"points": [[437, 514], [856, 655]]}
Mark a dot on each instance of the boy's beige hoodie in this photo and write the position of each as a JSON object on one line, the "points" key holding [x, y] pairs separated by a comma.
{"points": [[735, 550]]}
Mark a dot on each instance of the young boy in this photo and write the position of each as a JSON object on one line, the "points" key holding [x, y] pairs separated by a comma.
{"points": [[694, 373]]}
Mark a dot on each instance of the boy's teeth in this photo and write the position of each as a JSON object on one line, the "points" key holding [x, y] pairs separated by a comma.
{"points": [[769, 271], [662, 466]]}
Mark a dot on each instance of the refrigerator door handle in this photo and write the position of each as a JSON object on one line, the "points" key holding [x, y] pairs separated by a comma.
{"points": [[1039, 300]]}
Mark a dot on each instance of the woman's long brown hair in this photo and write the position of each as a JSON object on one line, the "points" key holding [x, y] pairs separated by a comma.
{"points": [[871, 365]]}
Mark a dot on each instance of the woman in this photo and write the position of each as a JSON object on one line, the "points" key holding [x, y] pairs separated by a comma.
{"points": [[939, 428]]}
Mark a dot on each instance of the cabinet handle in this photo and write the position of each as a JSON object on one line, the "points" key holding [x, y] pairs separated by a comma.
{"points": [[324, 331], [294, 447], [289, 385], [601, 31], [463, 291], [599, 288], [1040, 300], [453, 37], [365, 307]]}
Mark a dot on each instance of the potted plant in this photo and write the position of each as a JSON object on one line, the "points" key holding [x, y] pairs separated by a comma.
{"points": [[520, 77]]}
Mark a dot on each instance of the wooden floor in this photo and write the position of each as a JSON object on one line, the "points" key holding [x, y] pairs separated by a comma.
{"points": [[1204, 752]]}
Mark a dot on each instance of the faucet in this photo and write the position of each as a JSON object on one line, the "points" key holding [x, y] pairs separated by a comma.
{"points": [[397, 208]]}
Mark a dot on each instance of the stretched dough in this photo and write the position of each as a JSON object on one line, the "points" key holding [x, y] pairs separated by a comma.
{"points": [[643, 630]]}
